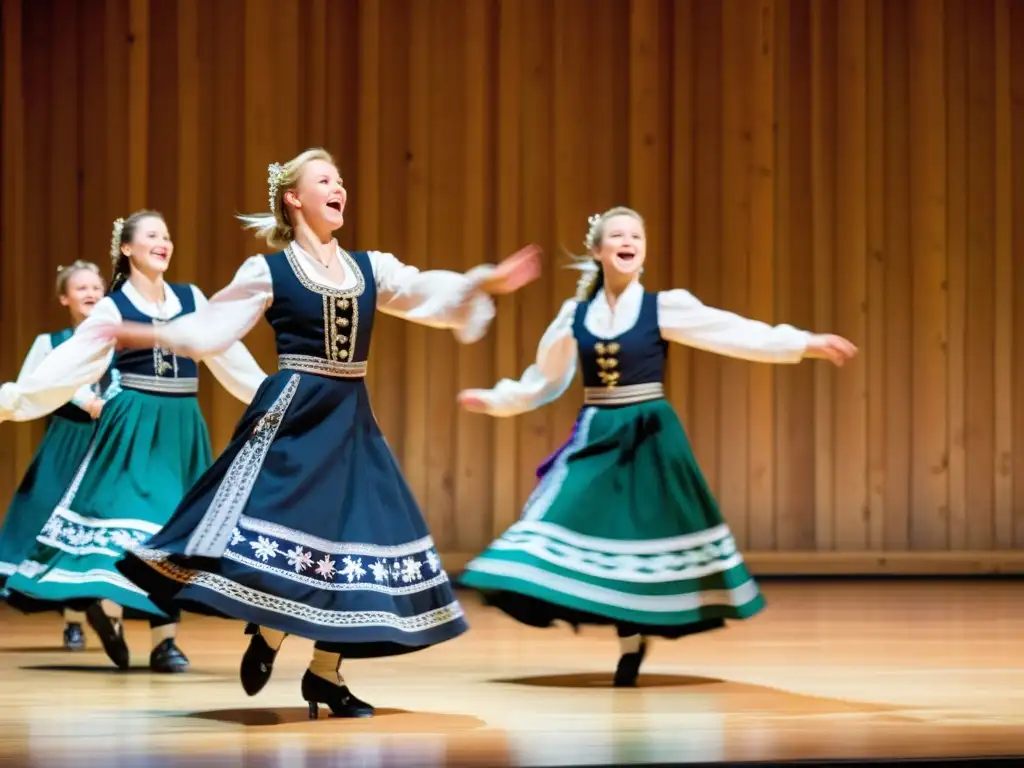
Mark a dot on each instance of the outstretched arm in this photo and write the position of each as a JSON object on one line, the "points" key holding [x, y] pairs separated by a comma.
{"points": [[685, 320], [543, 382], [212, 329], [443, 299], [65, 373], [235, 368]]}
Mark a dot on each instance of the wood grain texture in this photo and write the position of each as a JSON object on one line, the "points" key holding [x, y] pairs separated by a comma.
{"points": [[810, 680], [852, 167]]}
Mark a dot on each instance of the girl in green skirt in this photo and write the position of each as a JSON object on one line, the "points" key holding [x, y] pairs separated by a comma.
{"points": [[151, 444], [621, 528], [68, 432]]}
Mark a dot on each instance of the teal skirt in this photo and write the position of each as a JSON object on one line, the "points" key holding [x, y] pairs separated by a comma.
{"points": [[56, 460], [147, 451], [621, 529]]}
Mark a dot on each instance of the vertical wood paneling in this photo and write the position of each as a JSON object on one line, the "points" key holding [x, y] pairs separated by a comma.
{"points": [[795, 455], [504, 501], [734, 228], [875, 326], [1015, 36], [684, 195], [759, 65], [447, 176], [929, 510], [980, 343], [824, 186], [850, 167], [898, 298], [393, 170], [705, 271], [851, 254], [417, 357], [1004, 268], [537, 435], [956, 263], [15, 452], [474, 436], [138, 99]]}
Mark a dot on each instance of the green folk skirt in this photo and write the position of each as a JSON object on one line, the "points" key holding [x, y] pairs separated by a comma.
{"points": [[56, 460], [147, 451], [621, 529]]}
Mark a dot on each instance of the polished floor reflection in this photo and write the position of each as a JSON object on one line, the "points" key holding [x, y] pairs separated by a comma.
{"points": [[830, 670]]}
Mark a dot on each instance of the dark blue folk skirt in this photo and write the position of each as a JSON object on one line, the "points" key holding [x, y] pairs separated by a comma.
{"points": [[306, 525]]}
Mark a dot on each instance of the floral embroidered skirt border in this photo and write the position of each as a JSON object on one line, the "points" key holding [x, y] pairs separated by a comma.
{"points": [[621, 529], [147, 450], [306, 525], [61, 451]]}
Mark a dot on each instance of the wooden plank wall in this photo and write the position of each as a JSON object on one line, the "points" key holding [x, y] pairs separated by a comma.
{"points": [[854, 166]]}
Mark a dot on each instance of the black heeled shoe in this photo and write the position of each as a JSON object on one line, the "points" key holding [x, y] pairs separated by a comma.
{"points": [[111, 634], [257, 662], [628, 668], [167, 658], [342, 702], [74, 637]]}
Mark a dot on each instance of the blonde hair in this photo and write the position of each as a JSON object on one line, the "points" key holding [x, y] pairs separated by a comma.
{"points": [[592, 279], [64, 274], [276, 227], [122, 234]]}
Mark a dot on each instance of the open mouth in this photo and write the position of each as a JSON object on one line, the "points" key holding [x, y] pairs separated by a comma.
{"points": [[160, 254], [625, 255], [335, 205]]}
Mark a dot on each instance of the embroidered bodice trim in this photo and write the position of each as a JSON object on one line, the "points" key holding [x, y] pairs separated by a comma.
{"points": [[341, 307]]}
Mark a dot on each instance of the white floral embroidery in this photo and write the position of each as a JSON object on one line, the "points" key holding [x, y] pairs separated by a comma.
{"points": [[353, 569], [299, 559], [70, 532], [122, 539], [325, 567], [264, 548], [331, 566], [411, 570], [433, 561]]}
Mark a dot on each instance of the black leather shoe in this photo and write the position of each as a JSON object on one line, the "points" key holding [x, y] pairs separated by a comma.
{"points": [[74, 637], [628, 669], [342, 702], [257, 663], [167, 658], [111, 634]]}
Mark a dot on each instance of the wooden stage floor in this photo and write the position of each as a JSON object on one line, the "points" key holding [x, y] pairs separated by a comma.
{"points": [[829, 670]]}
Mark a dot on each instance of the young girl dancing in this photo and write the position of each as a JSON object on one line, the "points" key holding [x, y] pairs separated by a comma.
{"points": [[151, 444], [305, 525], [64, 444], [622, 529]]}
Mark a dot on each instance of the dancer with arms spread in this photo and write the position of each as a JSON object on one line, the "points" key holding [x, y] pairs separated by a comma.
{"points": [[305, 525], [151, 444], [65, 442], [621, 528]]}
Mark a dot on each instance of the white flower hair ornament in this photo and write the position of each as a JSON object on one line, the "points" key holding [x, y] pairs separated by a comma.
{"points": [[274, 175], [593, 222], [115, 240]]}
